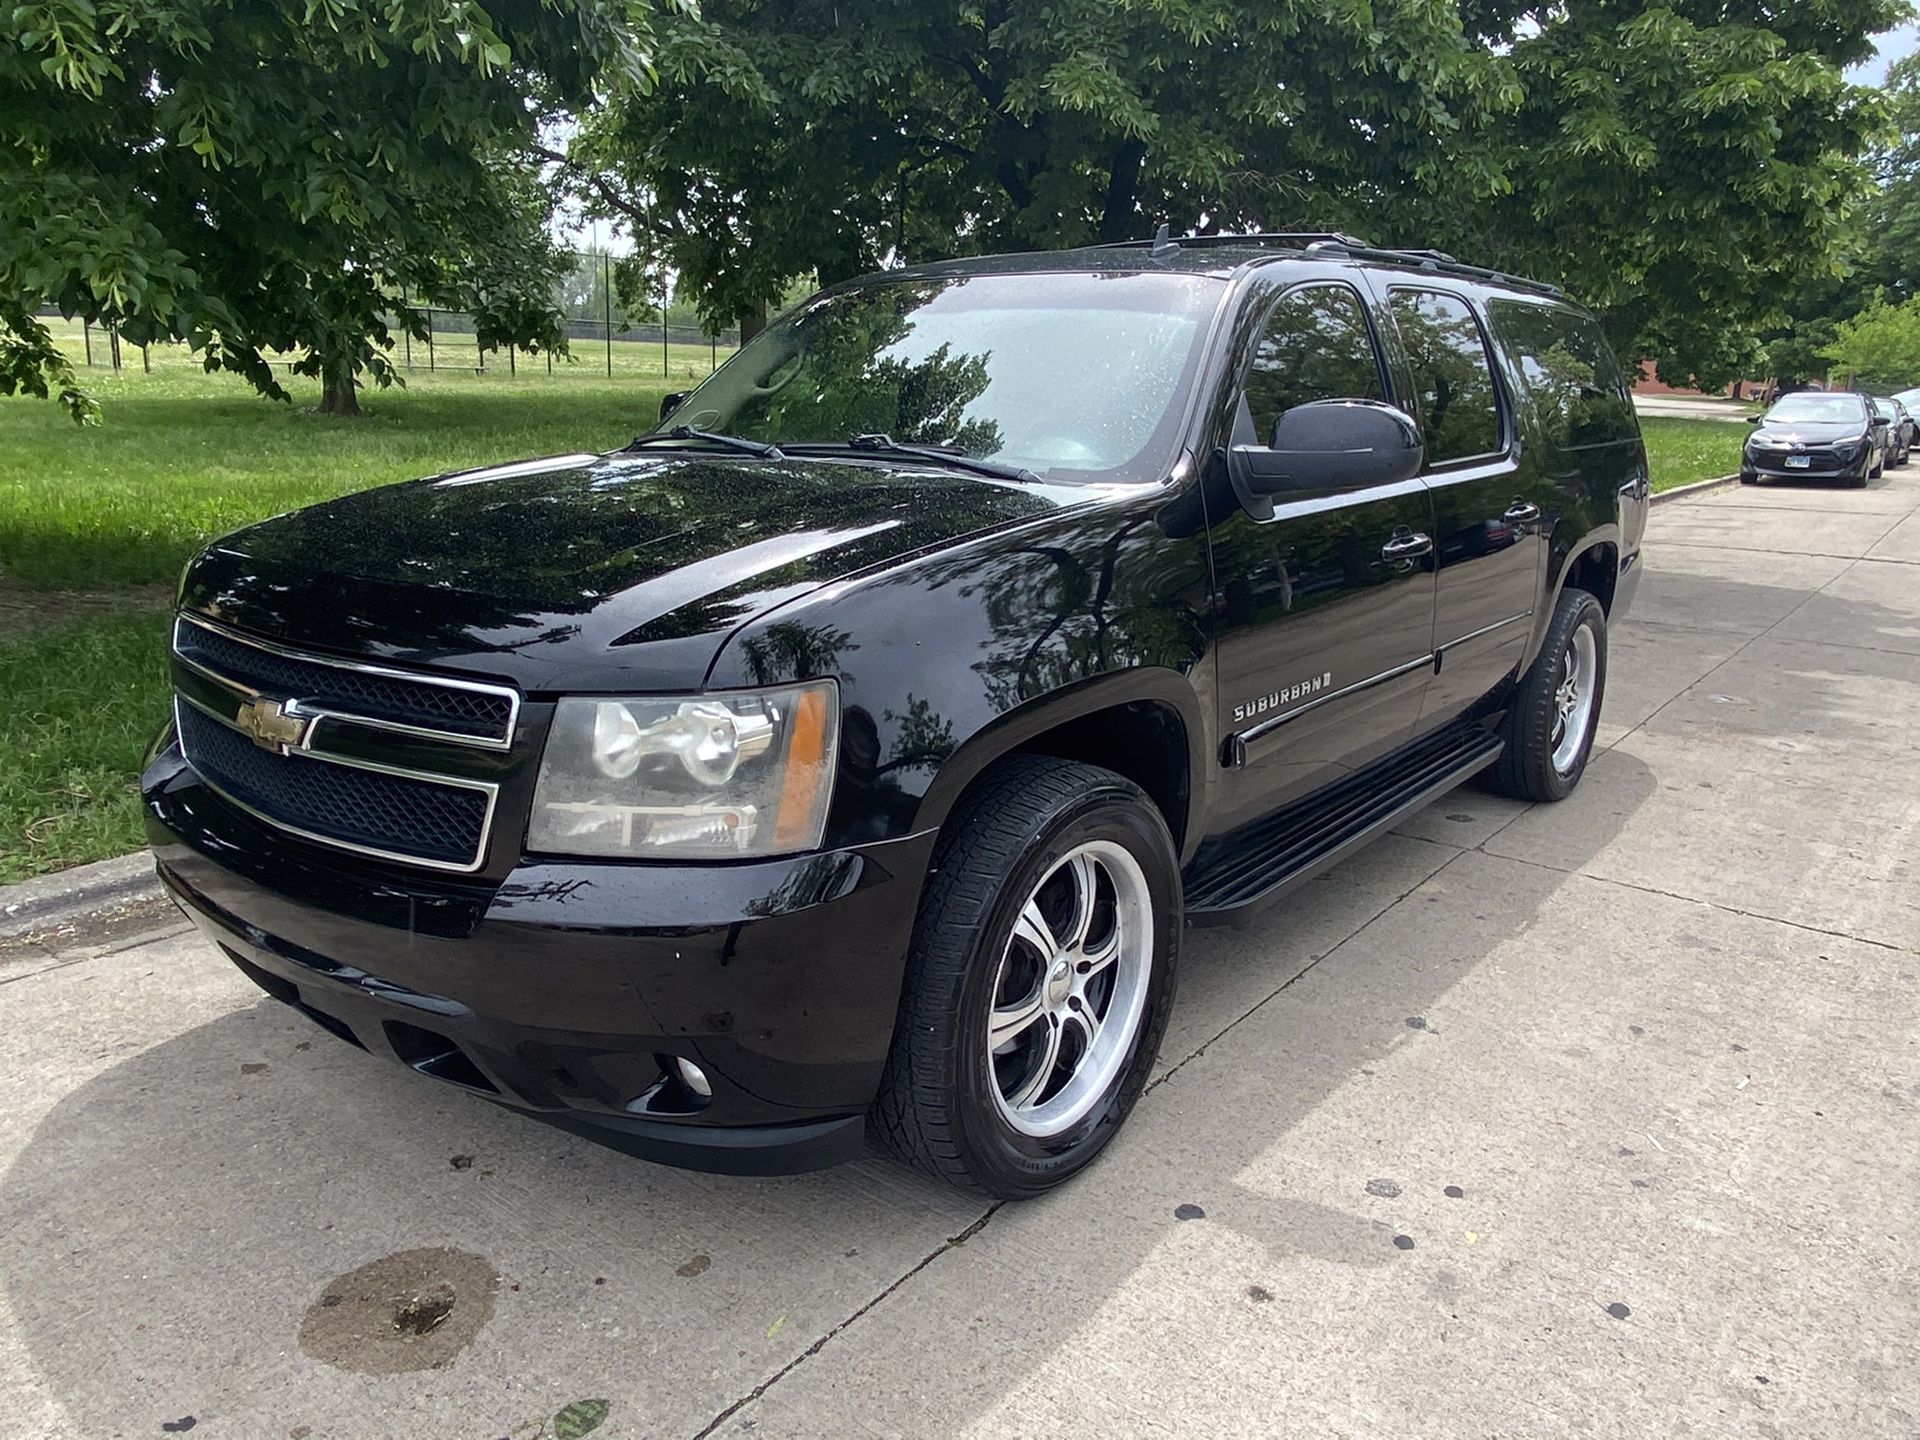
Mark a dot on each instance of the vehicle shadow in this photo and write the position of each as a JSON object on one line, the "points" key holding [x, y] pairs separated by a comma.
{"points": [[177, 1215]]}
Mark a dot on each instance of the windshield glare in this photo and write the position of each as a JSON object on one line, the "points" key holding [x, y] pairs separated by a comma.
{"points": [[1818, 409], [1073, 376]]}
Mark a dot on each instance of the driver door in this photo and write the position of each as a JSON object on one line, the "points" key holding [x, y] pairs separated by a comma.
{"points": [[1324, 609]]}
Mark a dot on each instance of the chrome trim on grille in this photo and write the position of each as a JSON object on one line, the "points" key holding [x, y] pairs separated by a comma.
{"points": [[485, 787], [386, 672]]}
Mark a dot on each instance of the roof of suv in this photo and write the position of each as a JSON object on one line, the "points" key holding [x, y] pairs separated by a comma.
{"points": [[1220, 255]]}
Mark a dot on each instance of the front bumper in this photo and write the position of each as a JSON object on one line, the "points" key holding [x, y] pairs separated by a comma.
{"points": [[1774, 467], [567, 990]]}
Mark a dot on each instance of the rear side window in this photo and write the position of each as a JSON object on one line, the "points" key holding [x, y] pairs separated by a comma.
{"points": [[1570, 373], [1453, 389], [1316, 346]]}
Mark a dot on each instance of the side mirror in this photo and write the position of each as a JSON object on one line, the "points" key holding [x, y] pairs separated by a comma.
{"points": [[1755, 419], [671, 402], [1325, 447]]}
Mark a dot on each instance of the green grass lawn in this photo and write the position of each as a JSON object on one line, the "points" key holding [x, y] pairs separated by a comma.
{"points": [[83, 700], [182, 457], [115, 510], [1681, 451]]}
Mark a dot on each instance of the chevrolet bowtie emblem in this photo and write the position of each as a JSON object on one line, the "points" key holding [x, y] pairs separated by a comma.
{"points": [[271, 725]]}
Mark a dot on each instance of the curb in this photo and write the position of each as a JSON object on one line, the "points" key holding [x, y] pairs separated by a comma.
{"points": [[69, 897], [1696, 488]]}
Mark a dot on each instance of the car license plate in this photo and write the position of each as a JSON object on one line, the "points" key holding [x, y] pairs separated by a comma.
{"points": [[1799, 462]]}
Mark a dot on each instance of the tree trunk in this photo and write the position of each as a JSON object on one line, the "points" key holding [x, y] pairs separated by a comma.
{"points": [[753, 322], [338, 394], [1123, 184]]}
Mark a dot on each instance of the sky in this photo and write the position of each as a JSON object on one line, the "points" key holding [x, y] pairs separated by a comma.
{"points": [[1895, 43]]}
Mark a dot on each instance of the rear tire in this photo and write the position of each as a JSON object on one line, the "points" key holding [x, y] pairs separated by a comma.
{"points": [[1052, 922], [1550, 724]]}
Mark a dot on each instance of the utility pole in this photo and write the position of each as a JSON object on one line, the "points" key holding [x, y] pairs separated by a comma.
{"points": [[606, 280]]}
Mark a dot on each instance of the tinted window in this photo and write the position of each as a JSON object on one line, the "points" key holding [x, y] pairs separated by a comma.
{"points": [[1570, 373], [1316, 346], [1454, 396]]}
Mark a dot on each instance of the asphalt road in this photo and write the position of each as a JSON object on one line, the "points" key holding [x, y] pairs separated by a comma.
{"points": [[1599, 1118]]}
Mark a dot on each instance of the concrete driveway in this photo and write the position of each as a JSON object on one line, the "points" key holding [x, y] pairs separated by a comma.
{"points": [[1600, 1117]]}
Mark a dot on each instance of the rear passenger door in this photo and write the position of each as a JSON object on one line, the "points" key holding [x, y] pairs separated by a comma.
{"points": [[1324, 609], [1489, 513]]}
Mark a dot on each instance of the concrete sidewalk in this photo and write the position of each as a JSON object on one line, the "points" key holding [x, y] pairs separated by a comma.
{"points": [[1599, 1117]]}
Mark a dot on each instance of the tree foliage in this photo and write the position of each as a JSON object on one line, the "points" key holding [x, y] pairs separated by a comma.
{"points": [[830, 135], [1675, 161], [278, 174], [1878, 350], [1679, 164], [1878, 256]]}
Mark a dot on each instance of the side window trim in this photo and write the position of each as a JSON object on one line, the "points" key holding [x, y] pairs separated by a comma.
{"points": [[1504, 400], [1383, 373]]}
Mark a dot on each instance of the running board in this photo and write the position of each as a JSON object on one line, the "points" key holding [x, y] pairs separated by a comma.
{"points": [[1245, 868]]}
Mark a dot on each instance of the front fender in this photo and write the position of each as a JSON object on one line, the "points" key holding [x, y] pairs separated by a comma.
{"points": [[949, 659]]}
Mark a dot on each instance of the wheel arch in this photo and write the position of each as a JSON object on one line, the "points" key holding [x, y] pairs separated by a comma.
{"points": [[1589, 562], [1143, 724]]}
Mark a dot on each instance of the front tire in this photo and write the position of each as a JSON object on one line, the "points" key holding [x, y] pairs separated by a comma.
{"points": [[1550, 724], [1039, 981]]}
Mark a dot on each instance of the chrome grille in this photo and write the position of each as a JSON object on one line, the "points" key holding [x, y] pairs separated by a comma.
{"points": [[272, 730], [377, 812], [443, 708]]}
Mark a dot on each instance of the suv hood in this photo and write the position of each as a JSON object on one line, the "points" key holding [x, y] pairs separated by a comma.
{"points": [[586, 571]]}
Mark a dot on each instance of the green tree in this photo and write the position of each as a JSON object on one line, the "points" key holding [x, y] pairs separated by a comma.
{"points": [[1892, 233], [1879, 349], [828, 136], [1676, 162], [278, 175], [1681, 165]]}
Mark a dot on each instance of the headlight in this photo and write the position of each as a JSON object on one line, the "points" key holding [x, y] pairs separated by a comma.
{"points": [[706, 777]]}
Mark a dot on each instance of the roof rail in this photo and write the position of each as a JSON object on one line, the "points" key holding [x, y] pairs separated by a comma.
{"points": [[1437, 262], [1333, 242], [1293, 239]]}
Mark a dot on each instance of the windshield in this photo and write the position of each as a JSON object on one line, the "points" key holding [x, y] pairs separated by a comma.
{"points": [[1075, 377], [1814, 408]]}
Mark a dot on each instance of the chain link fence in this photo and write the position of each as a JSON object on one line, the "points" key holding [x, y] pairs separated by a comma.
{"points": [[601, 338]]}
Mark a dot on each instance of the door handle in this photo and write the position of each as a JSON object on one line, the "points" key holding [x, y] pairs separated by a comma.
{"points": [[1521, 512], [1407, 547]]}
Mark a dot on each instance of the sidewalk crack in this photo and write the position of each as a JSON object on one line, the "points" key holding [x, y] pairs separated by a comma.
{"points": [[952, 1242]]}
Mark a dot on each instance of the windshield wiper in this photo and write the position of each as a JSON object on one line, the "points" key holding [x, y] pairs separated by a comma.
{"points": [[684, 433], [938, 454]]}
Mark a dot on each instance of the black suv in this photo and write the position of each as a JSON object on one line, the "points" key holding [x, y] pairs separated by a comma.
{"points": [[847, 754]]}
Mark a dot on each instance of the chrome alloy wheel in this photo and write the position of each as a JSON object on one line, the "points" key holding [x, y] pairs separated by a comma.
{"points": [[1070, 991], [1573, 699]]}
